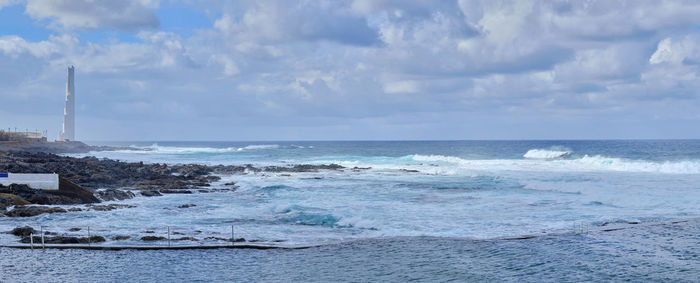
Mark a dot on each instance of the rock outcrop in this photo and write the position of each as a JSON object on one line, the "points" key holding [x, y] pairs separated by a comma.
{"points": [[67, 193], [23, 231], [28, 211], [64, 240], [7, 200], [114, 194]]}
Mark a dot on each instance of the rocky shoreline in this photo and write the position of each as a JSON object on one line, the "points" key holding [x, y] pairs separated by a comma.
{"points": [[90, 180], [85, 182]]}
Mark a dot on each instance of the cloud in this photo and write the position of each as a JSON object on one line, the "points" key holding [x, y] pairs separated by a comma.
{"points": [[5, 3], [283, 21], [128, 16], [683, 50], [401, 87], [363, 69]]}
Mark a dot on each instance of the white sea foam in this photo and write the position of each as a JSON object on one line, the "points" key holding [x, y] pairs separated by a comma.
{"points": [[259, 146], [585, 163], [546, 154]]}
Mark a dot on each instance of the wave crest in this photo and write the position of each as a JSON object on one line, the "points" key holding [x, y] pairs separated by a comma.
{"points": [[585, 163], [546, 154]]}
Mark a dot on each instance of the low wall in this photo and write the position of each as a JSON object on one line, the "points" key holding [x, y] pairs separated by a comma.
{"points": [[35, 181]]}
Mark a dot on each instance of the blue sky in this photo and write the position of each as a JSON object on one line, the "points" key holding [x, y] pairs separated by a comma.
{"points": [[349, 70]]}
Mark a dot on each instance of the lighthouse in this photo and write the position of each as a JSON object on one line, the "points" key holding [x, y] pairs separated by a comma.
{"points": [[68, 131]]}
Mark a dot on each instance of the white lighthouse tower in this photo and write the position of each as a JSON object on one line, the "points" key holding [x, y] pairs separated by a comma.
{"points": [[68, 132]]}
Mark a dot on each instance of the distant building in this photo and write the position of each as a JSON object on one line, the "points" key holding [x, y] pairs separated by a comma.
{"points": [[68, 131], [21, 136]]}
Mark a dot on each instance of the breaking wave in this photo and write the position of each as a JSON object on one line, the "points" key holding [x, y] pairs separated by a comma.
{"points": [[546, 154], [259, 146], [585, 163]]}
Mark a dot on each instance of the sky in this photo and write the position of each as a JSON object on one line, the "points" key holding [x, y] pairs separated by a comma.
{"points": [[149, 70]]}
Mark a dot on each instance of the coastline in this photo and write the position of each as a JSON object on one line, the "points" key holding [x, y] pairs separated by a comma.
{"points": [[113, 181], [127, 189]]}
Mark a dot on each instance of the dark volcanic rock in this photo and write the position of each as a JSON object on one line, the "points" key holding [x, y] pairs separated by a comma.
{"points": [[225, 239], [64, 195], [7, 200], [121, 237], [97, 239], [93, 173], [64, 240], [153, 238], [108, 207], [187, 205], [74, 229], [68, 188], [23, 231], [186, 239], [28, 211], [151, 193], [171, 191], [303, 168], [114, 194], [78, 176]]}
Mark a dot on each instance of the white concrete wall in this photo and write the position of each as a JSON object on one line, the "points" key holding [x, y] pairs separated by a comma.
{"points": [[35, 181]]}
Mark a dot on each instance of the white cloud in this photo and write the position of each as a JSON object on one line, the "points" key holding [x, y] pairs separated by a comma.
{"points": [[127, 16], [281, 21], [677, 51], [14, 46], [4, 3], [401, 87], [314, 62]]}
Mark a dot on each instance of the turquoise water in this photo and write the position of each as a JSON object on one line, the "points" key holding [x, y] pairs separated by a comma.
{"points": [[455, 193]]}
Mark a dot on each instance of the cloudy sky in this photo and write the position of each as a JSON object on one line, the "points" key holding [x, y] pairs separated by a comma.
{"points": [[349, 70]]}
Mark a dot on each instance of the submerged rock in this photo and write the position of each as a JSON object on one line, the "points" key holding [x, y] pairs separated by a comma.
{"points": [[153, 238], [121, 238], [186, 239], [64, 240], [28, 211], [303, 168], [225, 239], [111, 206], [171, 191], [187, 205]]}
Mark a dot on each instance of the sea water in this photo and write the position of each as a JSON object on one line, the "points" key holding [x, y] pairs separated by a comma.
{"points": [[410, 190]]}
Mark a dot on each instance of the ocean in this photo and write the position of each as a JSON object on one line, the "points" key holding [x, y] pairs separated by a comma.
{"points": [[401, 210]]}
